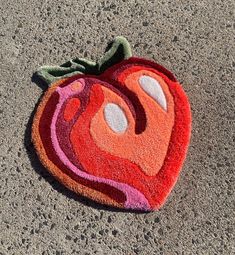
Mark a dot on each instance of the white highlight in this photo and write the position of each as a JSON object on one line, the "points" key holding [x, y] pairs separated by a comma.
{"points": [[115, 118], [153, 89]]}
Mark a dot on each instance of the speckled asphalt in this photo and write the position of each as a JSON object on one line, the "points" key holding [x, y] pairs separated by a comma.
{"points": [[195, 40]]}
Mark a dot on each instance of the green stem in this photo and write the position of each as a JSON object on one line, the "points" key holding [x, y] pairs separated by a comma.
{"points": [[120, 49]]}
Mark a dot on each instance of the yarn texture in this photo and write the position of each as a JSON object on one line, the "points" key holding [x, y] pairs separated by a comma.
{"points": [[115, 131]]}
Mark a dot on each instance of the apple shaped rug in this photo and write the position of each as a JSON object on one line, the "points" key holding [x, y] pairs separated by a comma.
{"points": [[115, 131]]}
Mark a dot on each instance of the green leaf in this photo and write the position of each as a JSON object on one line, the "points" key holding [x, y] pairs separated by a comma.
{"points": [[119, 50], [50, 74]]}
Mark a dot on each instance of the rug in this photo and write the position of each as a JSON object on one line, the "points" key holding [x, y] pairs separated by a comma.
{"points": [[115, 131]]}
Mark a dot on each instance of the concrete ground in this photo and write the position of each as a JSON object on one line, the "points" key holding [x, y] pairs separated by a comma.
{"points": [[194, 39]]}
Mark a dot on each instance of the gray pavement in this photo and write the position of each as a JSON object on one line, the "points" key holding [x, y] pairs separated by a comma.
{"points": [[195, 40]]}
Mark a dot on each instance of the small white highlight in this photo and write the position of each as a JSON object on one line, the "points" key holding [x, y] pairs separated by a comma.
{"points": [[115, 118], [153, 89]]}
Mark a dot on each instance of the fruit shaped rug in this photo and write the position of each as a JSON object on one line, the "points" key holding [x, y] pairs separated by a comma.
{"points": [[115, 131]]}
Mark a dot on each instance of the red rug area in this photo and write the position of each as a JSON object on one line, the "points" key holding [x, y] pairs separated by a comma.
{"points": [[119, 137]]}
